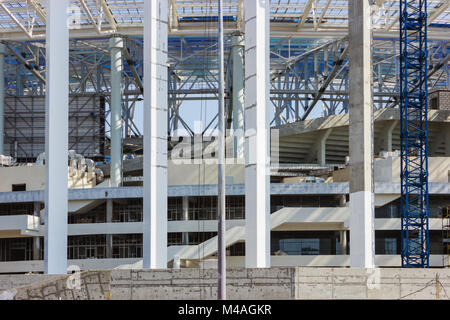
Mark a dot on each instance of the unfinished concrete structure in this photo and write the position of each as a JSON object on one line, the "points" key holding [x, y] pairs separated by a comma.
{"points": [[318, 101]]}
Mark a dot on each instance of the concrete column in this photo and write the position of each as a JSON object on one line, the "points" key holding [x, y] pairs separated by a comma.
{"points": [[155, 134], [257, 170], [56, 137], [342, 198], [186, 218], [2, 98], [109, 237], [116, 47], [322, 146], [361, 136], [237, 52], [36, 240], [387, 135], [447, 140], [343, 241], [384, 142], [443, 138]]}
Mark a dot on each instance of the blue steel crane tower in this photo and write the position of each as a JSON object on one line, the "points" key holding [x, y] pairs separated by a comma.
{"points": [[414, 134]]}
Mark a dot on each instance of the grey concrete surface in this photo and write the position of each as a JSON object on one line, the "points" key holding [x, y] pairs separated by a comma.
{"points": [[243, 284]]}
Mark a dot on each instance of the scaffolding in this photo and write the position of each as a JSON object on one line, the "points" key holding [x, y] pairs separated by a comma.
{"points": [[414, 134]]}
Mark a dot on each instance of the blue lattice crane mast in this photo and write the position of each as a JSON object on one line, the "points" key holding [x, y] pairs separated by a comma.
{"points": [[414, 134]]}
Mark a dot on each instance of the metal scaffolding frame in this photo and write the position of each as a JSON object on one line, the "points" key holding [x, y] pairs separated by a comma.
{"points": [[414, 134], [305, 75], [22, 19], [309, 67]]}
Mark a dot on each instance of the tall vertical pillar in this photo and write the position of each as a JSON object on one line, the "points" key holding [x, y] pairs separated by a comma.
{"points": [[2, 98], [155, 134], [56, 137], [237, 52], [186, 218], [446, 135], [362, 249], [343, 241], [109, 236], [116, 47], [37, 240], [257, 170], [384, 142], [322, 146]]}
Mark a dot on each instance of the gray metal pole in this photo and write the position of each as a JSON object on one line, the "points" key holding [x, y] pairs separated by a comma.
{"points": [[2, 96], [222, 292]]}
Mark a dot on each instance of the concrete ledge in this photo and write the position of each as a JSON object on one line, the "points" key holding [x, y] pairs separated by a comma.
{"points": [[211, 190]]}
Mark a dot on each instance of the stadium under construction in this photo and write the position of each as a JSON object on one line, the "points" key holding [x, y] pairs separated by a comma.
{"points": [[336, 124]]}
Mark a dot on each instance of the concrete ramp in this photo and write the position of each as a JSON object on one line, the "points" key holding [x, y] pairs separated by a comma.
{"points": [[285, 217], [82, 206], [383, 199]]}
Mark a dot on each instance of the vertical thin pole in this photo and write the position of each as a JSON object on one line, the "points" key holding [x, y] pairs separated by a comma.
{"points": [[2, 97], [221, 294]]}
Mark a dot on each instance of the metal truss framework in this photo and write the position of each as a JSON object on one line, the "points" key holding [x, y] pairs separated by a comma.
{"points": [[309, 65], [414, 134], [26, 19]]}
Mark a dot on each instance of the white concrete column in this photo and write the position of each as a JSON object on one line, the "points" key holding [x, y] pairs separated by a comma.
{"points": [[447, 140], [342, 200], [388, 135], [2, 98], [56, 137], [37, 240], [116, 47], [257, 170], [322, 146], [362, 248], [186, 218], [237, 51], [109, 236], [343, 241], [155, 134], [384, 141]]}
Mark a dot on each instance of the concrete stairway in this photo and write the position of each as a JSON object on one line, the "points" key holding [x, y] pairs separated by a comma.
{"points": [[279, 218]]}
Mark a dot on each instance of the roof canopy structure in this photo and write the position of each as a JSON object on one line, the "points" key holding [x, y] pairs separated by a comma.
{"points": [[25, 20], [308, 38]]}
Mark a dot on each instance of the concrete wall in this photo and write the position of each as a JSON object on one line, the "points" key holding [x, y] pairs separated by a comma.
{"points": [[242, 284], [395, 283], [443, 97], [194, 174], [201, 284], [19, 280], [91, 285], [34, 178], [388, 170]]}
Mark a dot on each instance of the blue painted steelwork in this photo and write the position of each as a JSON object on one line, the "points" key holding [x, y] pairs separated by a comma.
{"points": [[414, 134]]}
